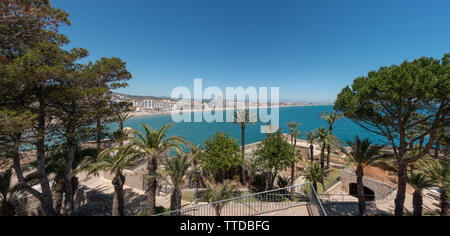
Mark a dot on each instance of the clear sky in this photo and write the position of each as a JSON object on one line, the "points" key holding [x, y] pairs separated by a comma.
{"points": [[310, 49]]}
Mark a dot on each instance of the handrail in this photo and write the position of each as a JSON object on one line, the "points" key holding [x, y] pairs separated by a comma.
{"points": [[318, 200], [270, 197]]}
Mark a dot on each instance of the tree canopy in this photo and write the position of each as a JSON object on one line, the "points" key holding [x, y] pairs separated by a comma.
{"points": [[409, 104], [395, 100], [274, 154], [221, 154]]}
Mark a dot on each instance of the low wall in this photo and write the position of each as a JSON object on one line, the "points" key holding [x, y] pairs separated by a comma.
{"points": [[133, 178], [381, 190]]}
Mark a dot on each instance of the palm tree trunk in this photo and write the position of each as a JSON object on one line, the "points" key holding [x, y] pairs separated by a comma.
{"points": [[293, 163], [401, 190], [118, 208], [243, 175], [151, 187], [59, 194], [418, 203], [293, 166], [361, 193], [218, 209], [445, 204], [315, 187], [311, 151], [175, 202], [328, 156], [322, 158], [75, 185]]}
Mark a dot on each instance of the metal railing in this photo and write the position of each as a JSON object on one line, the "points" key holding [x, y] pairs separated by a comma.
{"points": [[315, 207], [259, 204]]}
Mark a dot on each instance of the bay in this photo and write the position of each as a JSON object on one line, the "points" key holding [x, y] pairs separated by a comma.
{"points": [[307, 116]]}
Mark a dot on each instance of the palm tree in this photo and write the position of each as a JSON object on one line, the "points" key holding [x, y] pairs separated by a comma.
{"points": [[243, 118], [121, 118], [197, 175], [316, 174], [440, 172], [325, 139], [362, 154], [120, 135], [218, 194], [294, 135], [331, 119], [153, 145], [311, 137], [7, 193], [114, 160], [56, 165], [419, 182], [292, 129], [177, 169]]}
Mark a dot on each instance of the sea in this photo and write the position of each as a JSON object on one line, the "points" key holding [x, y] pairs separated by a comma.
{"points": [[307, 116]]}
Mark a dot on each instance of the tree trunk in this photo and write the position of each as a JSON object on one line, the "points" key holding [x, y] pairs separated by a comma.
{"points": [[311, 152], [59, 195], [118, 208], [322, 158], [175, 202], [19, 171], [243, 175], [401, 190], [418, 203], [151, 186], [438, 149], [99, 135], [315, 187], [273, 176], [68, 178], [328, 156], [46, 197], [445, 204], [121, 126], [361, 193], [293, 179], [267, 174], [293, 169], [293, 163]]}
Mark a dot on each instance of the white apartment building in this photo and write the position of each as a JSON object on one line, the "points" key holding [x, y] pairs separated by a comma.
{"points": [[165, 105]]}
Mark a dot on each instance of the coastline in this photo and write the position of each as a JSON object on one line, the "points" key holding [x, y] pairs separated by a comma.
{"points": [[141, 114]]}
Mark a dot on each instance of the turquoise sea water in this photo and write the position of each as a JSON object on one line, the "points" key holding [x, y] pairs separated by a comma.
{"points": [[345, 130]]}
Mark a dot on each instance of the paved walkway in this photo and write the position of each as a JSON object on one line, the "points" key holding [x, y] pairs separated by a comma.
{"points": [[297, 211]]}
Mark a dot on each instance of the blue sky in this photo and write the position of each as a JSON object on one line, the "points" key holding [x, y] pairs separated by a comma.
{"points": [[310, 49]]}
